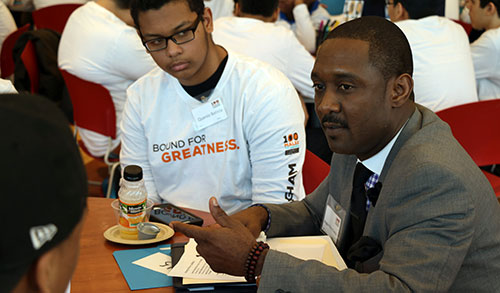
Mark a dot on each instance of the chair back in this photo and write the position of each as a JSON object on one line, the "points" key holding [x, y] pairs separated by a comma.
{"points": [[53, 17], [314, 171], [476, 126], [93, 107], [467, 26], [6, 60], [28, 56]]}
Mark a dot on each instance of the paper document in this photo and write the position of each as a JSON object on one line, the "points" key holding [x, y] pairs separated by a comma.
{"points": [[192, 266], [194, 269], [158, 262]]}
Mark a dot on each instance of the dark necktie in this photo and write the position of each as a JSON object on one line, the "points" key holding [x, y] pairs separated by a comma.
{"points": [[358, 203]]}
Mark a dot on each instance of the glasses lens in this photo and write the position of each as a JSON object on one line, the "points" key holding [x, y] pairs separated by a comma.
{"points": [[156, 44], [184, 36]]}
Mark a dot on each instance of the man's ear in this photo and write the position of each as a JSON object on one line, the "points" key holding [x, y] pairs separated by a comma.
{"points": [[41, 276], [400, 12], [207, 19], [237, 9], [401, 90], [491, 9], [276, 14]]}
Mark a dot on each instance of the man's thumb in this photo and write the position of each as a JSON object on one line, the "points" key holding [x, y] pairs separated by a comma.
{"points": [[219, 214]]}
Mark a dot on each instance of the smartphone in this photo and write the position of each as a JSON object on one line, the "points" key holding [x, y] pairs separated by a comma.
{"points": [[166, 213]]}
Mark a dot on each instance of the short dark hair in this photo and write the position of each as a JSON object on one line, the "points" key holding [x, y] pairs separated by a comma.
{"points": [[265, 8], [137, 6], [483, 4], [421, 8], [389, 50]]}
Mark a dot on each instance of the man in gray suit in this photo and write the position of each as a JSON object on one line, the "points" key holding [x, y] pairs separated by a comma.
{"points": [[429, 220]]}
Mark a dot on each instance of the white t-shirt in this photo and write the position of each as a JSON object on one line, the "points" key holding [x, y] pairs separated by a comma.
{"points": [[254, 155], [6, 87], [7, 23], [443, 73], [45, 3], [270, 43], [220, 8], [97, 46], [306, 24], [486, 57]]}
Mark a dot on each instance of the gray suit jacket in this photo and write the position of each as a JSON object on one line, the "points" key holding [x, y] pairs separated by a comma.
{"points": [[437, 220]]}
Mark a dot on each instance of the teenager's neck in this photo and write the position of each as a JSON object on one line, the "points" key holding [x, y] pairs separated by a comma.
{"points": [[495, 23], [214, 57]]}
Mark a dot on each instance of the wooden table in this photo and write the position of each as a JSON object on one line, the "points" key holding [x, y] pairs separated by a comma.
{"points": [[97, 270]]}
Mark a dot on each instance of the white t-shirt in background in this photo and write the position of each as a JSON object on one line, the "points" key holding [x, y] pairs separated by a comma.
{"points": [[220, 8], [7, 23], [443, 73], [6, 87], [270, 43], [99, 47], [486, 57], [255, 155], [45, 3]]}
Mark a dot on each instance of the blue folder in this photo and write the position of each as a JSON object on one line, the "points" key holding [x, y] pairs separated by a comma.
{"points": [[139, 277]]}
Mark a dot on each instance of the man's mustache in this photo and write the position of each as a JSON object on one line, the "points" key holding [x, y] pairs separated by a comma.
{"points": [[334, 119]]}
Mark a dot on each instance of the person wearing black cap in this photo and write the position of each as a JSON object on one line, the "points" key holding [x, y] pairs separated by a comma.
{"points": [[43, 196]]}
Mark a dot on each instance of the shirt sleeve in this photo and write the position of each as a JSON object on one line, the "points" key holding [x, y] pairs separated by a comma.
{"points": [[134, 142], [305, 30], [299, 71], [484, 56], [274, 128]]}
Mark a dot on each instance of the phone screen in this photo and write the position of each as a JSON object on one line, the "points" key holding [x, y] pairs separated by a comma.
{"points": [[167, 213]]}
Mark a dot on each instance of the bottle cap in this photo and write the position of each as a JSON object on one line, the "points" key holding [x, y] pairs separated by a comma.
{"points": [[132, 173]]}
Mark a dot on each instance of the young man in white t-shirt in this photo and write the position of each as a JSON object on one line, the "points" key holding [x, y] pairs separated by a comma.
{"points": [[443, 70], [485, 51], [209, 122]]}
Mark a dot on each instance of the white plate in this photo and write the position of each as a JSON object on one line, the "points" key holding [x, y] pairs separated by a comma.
{"points": [[113, 235]]}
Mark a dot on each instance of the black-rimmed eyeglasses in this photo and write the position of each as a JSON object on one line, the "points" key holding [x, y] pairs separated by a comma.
{"points": [[179, 38]]}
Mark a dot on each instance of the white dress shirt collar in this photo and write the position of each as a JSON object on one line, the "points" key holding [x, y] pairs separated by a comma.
{"points": [[376, 162]]}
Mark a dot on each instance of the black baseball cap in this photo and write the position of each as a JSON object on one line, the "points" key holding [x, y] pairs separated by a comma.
{"points": [[43, 184]]}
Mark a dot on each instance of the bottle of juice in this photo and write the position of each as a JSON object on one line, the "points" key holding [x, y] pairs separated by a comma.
{"points": [[132, 196]]}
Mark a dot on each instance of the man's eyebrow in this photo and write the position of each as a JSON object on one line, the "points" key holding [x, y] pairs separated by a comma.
{"points": [[176, 30], [337, 75]]}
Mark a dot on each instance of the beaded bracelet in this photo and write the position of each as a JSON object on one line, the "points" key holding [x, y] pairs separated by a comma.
{"points": [[252, 259], [268, 225]]}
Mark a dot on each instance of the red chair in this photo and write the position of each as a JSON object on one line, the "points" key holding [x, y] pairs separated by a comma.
{"points": [[53, 17], [477, 128], [93, 109], [314, 171], [467, 26], [6, 60], [28, 56]]}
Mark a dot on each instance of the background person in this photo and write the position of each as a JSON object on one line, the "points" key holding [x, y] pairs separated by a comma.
{"points": [[254, 33], [443, 74], [485, 51], [303, 17], [100, 44]]}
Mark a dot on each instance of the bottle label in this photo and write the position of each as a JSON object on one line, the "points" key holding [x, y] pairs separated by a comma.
{"points": [[132, 214]]}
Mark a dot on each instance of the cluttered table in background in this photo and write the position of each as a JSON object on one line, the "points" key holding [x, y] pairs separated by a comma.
{"points": [[97, 270]]}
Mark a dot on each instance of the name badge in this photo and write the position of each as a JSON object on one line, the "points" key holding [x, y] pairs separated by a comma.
{"points": [[334, 216], [208, 114]]}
